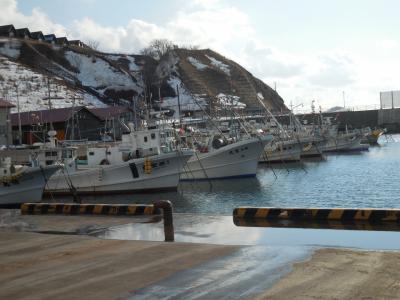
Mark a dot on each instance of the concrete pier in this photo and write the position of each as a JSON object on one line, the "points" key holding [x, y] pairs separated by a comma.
{"points": [[59, 257]]}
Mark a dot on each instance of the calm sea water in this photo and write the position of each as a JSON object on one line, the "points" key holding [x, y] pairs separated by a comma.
{"points": [[367, 179]]}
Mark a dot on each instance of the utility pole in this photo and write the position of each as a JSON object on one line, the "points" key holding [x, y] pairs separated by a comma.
{"points": [[344, 100], [73, 118], [179, 104], [49, 99], [19, 118]]}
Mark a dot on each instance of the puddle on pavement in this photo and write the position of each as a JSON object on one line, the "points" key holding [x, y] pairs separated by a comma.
{"points": [[243, 275], [222, 230]]}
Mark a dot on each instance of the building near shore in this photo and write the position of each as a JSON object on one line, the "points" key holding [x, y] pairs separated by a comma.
{"points": [[71, 123]]}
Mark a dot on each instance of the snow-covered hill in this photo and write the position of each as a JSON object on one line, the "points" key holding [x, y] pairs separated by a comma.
{"points": [[19, 83], [202, 78]]}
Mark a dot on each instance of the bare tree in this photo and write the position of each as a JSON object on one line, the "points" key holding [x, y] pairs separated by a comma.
{"points": [[158, 48], [94, 45]]}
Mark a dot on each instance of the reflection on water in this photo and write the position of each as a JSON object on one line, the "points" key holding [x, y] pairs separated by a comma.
{"points": [[222, 230], [367, 179]]}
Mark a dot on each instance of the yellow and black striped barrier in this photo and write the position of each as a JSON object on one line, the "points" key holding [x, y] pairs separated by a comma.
{"points": [[318, 218], [318, 224], [107, 209], [338, 214], [88, 209]]}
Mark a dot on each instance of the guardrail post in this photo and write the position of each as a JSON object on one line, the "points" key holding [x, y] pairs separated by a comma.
{"points": [[168, 219]]}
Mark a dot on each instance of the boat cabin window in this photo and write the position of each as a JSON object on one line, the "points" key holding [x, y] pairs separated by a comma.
{"points": [[91, 153], [49, 162], [50, 153], [145, 139], [153, 136]]}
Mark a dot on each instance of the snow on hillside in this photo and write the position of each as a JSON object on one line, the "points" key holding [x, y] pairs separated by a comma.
{"points": [[186, 99], [99, 74], [33, 89], [133, 67], [197, 64], [230, 101], [10, 48], [220, 65]]}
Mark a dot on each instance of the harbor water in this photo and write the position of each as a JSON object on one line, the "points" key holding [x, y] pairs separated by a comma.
{"points": [[353, 180]]}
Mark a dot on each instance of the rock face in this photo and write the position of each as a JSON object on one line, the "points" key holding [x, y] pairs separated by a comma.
{"points": [[108, 79], [209, 73]]}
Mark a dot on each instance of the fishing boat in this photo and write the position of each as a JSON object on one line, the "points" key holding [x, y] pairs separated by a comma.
{"points": [[222, 158], [372, 136], [143, 161], [19, 184], [282, 151]]}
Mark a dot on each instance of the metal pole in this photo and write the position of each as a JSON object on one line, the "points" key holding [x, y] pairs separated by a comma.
{"points": [[179, 104], [344, 101], [73, 119], [392, 100], [19, 119], [48, 89], [168, 219]]}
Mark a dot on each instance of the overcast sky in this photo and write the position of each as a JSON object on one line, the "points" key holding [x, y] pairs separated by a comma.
{"points": [[311, 49]]}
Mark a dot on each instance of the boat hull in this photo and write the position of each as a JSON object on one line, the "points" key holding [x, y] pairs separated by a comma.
{"points": [[232, 161], [28, 188], [343, 144], [130, 176], [285, 151]]}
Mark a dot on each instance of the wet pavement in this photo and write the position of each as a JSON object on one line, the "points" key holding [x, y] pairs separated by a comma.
{"points": [[255, 261], [221, 230], [242, 275]]}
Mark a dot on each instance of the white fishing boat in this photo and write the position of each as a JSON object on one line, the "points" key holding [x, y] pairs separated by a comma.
{"points": [[221, 159], [282, 151], [144, 161], [311, 146], [19, 184], [344, 141]]}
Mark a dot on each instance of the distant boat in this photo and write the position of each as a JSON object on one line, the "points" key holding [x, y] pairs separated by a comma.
{"points": [[220, 159], [19, 184], [372, 136], [282, 151]]}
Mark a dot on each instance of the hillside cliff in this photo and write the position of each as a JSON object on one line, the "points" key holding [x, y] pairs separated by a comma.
{"points": [[82, 76]]}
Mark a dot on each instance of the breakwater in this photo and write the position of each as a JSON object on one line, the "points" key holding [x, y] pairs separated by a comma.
{"points": [[383, 118]]}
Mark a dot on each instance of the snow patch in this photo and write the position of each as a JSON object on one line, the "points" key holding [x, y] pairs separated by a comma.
{"points": [[96, 72], [197, 64], [230, 100], [220, 65], [132, 64], [33, 90], [188, 102], [11, 48]]}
